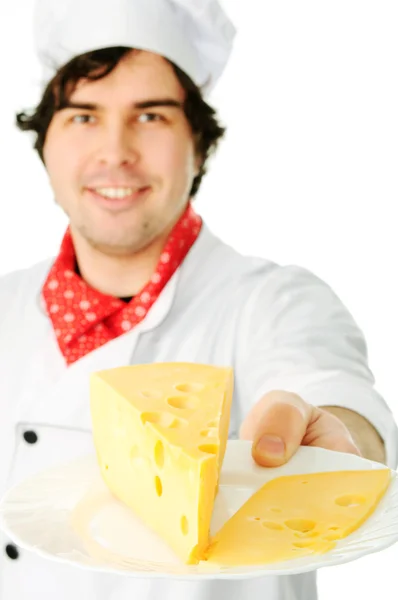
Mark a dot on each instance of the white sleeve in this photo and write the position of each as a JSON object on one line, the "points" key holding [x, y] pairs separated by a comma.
{"points": [[296, 335]]}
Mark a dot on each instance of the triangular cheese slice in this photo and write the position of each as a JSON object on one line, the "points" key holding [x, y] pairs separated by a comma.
{"points": [[298, 515], [160, 433]]}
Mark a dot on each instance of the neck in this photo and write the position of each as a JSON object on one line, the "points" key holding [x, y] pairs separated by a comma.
{"points": [[117, 276]]}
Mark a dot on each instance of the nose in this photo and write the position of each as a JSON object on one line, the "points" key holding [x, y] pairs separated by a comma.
{"points": [[118, 146]]}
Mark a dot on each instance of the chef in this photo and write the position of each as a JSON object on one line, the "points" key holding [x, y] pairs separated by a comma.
{"points": [[125, 133]]}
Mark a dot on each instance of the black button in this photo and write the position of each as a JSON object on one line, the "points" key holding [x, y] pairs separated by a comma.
{"points": [[30, 437], [12, 551]]}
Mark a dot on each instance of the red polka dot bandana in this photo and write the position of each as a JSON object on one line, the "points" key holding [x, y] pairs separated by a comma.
{"points": [[85, 319]]}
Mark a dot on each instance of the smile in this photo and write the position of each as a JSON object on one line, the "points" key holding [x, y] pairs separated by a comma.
{"points": [[115, 192], [118, 198]]}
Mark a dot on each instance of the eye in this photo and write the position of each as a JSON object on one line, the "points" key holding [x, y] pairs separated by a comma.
{"points": [[150, 118], [82, 119]]}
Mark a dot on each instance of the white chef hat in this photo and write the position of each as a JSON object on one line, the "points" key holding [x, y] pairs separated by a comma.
{"points": [[196, 35]]}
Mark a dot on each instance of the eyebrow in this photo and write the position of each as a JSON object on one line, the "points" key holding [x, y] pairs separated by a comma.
{"points": [[155, 103]]}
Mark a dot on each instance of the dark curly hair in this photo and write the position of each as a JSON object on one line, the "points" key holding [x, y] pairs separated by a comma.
{"points": [[95, 65]]}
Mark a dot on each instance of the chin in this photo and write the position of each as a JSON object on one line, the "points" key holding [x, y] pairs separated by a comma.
{"points": [[116, 244], [121, 236]]}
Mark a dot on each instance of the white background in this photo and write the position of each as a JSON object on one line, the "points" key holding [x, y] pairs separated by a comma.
{"points": [[307, 174]]}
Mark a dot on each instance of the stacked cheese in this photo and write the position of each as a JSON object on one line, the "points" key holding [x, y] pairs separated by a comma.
{"points": [[160, 433]]}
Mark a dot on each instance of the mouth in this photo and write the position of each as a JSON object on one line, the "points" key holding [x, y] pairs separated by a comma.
{"points": [[117, 198]]}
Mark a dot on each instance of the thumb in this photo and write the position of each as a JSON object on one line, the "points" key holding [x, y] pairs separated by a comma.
{"points": [[280, 428]]}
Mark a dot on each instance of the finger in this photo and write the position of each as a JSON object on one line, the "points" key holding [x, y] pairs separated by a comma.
{"points": [[338, 443], [280, 430], [327, 431]]}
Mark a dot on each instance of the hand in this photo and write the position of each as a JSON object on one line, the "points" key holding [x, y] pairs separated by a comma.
{"points": [[281, 422]]}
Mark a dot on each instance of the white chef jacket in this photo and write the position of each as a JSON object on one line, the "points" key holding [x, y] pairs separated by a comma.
{"points": [[278, 327]]}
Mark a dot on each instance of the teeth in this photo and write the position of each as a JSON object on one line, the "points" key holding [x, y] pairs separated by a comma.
{"points": [[115, 192]]}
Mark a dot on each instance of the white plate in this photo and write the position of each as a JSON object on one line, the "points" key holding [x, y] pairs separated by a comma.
{"points": [[67, 515]]}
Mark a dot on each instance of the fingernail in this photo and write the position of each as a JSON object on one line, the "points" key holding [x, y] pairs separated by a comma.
{"points": [[271, 445]]}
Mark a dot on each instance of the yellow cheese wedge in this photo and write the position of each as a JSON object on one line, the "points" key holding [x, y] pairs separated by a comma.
{"points": [[298, 515], [160, 433]]}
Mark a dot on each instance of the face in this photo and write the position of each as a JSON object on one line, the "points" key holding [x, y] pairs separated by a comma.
{"points": [[121, 156]]}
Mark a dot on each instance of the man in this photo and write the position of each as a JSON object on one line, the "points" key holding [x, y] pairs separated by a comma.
{"points": [[125, 133]]}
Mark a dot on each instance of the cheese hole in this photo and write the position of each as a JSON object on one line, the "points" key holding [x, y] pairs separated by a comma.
{"points": [[310, 534], [159, 454], [189, 388], [213, 423], [276, 510], [151, 394], [177, 423], [330, 537], [158, 486], [163, 419], [184, 525], [211, 432], [183, 402], [350, 500], [209, 448], [303, 544], [106, 467], [272, 525], [333, 534], [302, 525]]}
